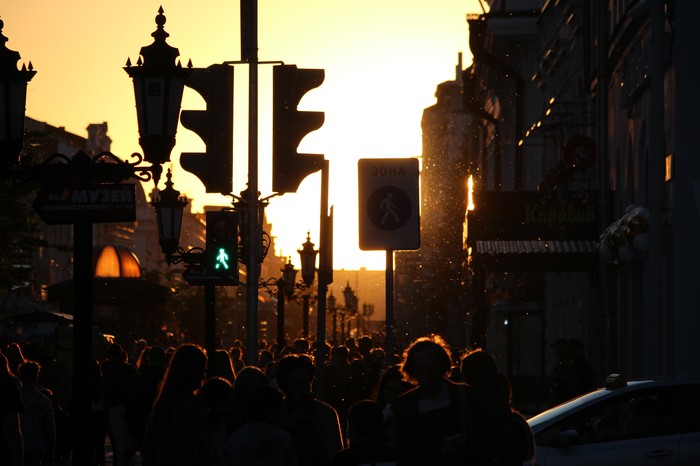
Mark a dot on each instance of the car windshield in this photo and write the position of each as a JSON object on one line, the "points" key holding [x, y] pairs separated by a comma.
{"points": [[564, 407]]}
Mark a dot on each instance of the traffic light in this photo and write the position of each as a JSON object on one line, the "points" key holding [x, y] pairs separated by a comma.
{"points": [[222, 247], [214, 125], [289, 126]]}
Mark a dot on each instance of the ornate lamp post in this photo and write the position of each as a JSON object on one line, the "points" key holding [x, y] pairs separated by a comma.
{"points": [[156, 82], [307, 253], [350, 305], [158, 85], [286, 284]]}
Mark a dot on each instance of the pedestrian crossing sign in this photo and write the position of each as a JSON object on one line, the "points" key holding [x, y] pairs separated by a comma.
{"points": [[389, 204]]}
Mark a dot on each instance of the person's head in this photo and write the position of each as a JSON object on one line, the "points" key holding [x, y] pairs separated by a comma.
{"points": [[340, 355], [427, 361], [295, 374], [301, 346], [248, 379], [364, 345], [217, 391], [236, 352], [391, 385], [186, 371], [265, 358], [478, 368], [115, 352], [220, 365], [350, 343], [29, 373], [156, 356]]}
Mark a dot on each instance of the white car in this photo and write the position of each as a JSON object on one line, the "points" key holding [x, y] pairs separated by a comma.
{"points": [[649, 422]]}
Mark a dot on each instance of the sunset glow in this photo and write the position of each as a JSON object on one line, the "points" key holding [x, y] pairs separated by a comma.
{"points": [[382, 61]]}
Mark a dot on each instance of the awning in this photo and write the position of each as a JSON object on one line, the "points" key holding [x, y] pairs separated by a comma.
{"points": [[537, 255]]}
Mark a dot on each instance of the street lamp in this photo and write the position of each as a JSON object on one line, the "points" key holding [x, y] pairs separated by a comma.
{"points": [[158, 85], [285, 285], [350, 305], [307, 254], [169, 206], [13, 96]]}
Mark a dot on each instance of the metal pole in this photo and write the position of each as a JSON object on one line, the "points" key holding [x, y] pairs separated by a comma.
{"points": [[656, 347], [280, 316], [82, 341], [324, 276], [252, 267], [389, 277], [209, 318], [305, 314], [335, 324]]}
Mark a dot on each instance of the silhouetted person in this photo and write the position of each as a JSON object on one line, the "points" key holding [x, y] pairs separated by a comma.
{"points": [[98, 415], [366, 441], [15, 356], [366, 371], [143, 389], [313, 424], [64, 428], [237, 358], [116, 376], [220, 365], [562, 378], [11, 444], [435, 422], [218, 392], [247, 380], [337, 389], [266, 357], [36, 419], [177, 431], [261, 441], [301, 346], [502, 436], [583, 374], [526, 438], [390, 386]]}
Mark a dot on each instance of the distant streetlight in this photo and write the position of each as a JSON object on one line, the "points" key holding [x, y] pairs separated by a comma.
{"points": [[308, 254]]}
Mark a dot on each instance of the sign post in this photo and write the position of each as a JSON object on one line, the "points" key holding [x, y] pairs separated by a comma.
{"points": [[389, 218]]}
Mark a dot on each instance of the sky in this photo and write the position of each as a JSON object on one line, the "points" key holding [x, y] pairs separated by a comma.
{"points": [[383, 60]]}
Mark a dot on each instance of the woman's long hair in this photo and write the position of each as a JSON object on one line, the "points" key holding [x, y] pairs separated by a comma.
{"points": [[184, 375]]}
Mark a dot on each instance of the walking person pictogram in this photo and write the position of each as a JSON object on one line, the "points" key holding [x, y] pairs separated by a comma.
{"points": [[222, 259], [389, 208]]}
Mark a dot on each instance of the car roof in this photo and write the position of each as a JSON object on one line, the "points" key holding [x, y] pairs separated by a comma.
{"points": [[612, 387]]}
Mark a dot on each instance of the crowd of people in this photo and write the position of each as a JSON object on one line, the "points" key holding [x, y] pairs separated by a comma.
{"points": [[182, 406]]}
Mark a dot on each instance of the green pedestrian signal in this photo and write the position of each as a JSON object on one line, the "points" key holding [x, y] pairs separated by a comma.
{"points": [[222, 247], [222, 259]]}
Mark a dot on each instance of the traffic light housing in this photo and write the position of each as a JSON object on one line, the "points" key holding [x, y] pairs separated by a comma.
{"points": [[222, 247], [214, 126], [290, 126]]}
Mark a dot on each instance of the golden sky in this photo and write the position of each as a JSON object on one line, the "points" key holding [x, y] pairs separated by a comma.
{"points": [[383, 60]]}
